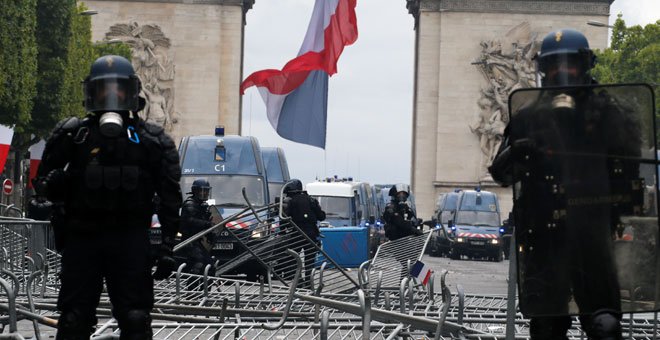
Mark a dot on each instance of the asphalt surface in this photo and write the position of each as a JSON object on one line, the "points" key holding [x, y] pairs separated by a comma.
{"points": [[476, 276]]}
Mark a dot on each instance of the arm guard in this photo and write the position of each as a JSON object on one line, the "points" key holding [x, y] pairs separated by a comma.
{"points": [[56, 155], [167, 180], [316, 208]]}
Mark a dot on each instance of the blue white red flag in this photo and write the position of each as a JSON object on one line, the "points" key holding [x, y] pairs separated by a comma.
{"points": [[421, 271], [296, 96]]}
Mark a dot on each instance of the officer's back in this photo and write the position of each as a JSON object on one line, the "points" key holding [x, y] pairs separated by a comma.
{"points": [[303, 209]]}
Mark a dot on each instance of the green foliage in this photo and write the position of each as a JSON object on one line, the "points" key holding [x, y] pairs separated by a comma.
{"points": [[102, 48], [80, 57], [18, 62], [54, 18], [633, 57]]}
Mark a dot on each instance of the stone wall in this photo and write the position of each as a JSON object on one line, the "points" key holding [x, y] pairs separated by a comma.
{"points": [[446, 154], [206, 49]]}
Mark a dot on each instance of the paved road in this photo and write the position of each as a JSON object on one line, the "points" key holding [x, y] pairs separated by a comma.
{"points": [[476, 276]]}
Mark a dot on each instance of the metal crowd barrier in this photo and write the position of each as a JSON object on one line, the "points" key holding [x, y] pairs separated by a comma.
{"points": [[10, 211], [338, 304]]}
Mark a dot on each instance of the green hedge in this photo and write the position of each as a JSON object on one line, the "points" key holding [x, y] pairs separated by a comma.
{"points": [[18, 62]]}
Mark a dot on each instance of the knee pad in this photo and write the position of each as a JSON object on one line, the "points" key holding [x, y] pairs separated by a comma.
{"points": [[135, 324], [605, 324], [76, 325]]}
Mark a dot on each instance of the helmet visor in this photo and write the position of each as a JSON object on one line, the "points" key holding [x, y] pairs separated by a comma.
{"points": [[563, 69], [112, 94], [202, 193]]}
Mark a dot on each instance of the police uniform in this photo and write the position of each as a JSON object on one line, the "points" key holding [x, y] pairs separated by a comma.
{"points": [[564, 219], [195, 217], [102, 186], [398, 221], [305, 212]]}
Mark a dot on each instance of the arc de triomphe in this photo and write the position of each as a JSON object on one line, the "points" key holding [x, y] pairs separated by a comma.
{"points": [[188, 54], [469, 54]]}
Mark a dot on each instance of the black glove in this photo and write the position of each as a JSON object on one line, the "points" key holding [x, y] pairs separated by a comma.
{"points": [[165, 263], [55, 185]]}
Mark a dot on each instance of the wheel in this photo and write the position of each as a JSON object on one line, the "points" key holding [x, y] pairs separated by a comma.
{"points": [[498, 256], [434, 251], [454, 254]]}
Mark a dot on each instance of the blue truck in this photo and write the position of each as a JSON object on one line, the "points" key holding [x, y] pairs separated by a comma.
{"points": [[277, 170], [346, 231], [477, 226], [230, 163], [443, 234]]}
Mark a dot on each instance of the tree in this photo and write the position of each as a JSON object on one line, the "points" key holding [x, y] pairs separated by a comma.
{"points": [[79, 58], [53, 34], [633, 56], [18, 62]]}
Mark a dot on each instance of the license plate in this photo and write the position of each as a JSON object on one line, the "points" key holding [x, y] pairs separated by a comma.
{"points": [[478, 243], [224, 246]]}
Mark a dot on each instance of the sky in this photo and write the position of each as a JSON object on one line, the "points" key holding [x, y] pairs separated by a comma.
{"points": [[369, 129]]}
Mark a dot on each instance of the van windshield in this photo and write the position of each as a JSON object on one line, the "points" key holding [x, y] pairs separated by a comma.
{"points": [[450, 203], [339, 211], [226, 189], [478, 218]]}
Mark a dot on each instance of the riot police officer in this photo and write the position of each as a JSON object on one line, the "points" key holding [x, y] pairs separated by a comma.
{"points": [[305, 211], [102, 172], [564, 223], [400, 219], [196, 217]]}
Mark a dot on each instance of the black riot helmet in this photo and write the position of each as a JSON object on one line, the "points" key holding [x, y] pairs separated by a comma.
{"points": [[565, 59], [293, 186], [201, 189], [400, 192], [112, 86]]}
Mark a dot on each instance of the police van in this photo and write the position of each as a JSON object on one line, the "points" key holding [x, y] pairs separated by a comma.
{"points": [[477, 226], [277, 170], [230, 163], [346, 230], [443, 234]]}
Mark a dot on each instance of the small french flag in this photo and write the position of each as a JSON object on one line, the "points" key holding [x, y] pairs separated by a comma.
{"points": [[421, 271]]}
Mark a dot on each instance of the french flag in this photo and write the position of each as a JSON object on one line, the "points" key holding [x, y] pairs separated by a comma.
{"points": [[421, 271], [36, 151], [296, 96], [6, 135]]}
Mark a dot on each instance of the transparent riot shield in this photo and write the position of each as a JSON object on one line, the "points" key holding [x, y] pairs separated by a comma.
{"points": [[585, 199]]}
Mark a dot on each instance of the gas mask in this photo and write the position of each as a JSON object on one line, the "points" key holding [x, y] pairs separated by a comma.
{"points": [[401, 197], [111, 124], [563, 101]]}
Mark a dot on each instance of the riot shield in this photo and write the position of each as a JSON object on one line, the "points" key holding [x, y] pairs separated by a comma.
{"points": [[585, 199]]}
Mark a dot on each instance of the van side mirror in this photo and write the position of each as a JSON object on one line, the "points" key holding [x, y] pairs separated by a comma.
{"points": [[277, 200], [450, 223], [372, 220]]}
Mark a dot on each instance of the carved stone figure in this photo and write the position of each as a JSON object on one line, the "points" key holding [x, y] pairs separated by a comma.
{"points": [[506, 65], [152, 63]]}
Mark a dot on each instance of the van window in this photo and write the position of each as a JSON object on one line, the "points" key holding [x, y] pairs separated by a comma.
{"points": [[488, 202], [339, 211]]}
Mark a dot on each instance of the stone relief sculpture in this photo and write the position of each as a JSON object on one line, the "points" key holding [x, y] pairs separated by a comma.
{"points": [[506, 65], [152, 63]]}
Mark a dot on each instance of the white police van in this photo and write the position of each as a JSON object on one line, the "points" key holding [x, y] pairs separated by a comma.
{"points": [[347, 230]]}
